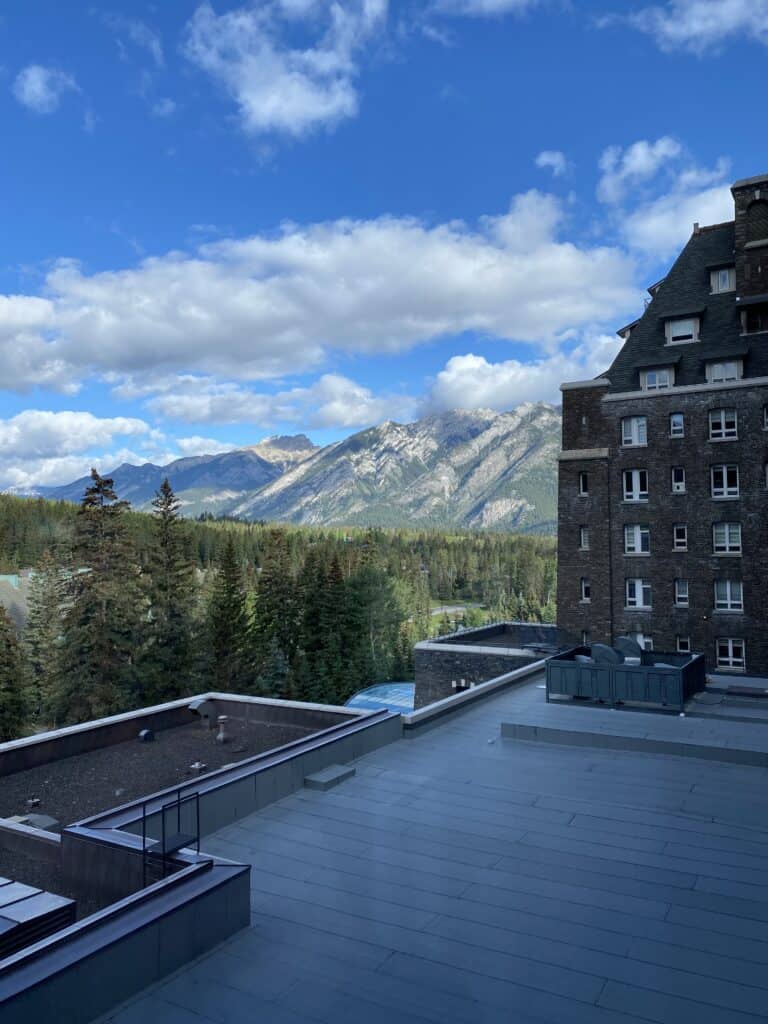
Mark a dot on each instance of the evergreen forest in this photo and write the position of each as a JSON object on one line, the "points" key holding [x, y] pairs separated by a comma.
{"points": [[127, 609]]}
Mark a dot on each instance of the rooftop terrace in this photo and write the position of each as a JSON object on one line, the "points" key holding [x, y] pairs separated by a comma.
{"points": [[463, 877]]}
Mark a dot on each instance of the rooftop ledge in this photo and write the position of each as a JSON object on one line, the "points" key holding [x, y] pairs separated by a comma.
{"points": [[575, 385]]}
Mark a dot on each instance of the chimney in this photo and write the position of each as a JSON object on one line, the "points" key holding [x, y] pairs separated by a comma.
{"points": [[750, 196]]}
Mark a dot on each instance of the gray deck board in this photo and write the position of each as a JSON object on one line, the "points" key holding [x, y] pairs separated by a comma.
{"points": [[465, 879]]}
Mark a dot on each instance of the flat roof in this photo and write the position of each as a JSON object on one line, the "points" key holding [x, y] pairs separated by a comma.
{"points": [[462, 877]]}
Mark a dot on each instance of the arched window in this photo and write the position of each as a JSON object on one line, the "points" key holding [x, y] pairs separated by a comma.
{"points": [[757, 220]]}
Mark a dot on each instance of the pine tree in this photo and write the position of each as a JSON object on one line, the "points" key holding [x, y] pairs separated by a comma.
{"points": [[276, 620], [228, 626], [168, 666], [105, 621], [12, 683], [43, 632]]}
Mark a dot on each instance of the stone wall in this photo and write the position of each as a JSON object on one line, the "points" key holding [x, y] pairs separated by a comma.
{"points": [[436, 669], [605, 513]]}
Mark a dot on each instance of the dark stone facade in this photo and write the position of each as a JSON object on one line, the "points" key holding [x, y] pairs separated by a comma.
{"points": [[592, 444]]}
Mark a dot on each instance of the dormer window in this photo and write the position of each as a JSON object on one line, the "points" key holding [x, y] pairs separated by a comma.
{"points": [[727, 370], [754, 319], [722, 280], [657, 380], [682, 332]]}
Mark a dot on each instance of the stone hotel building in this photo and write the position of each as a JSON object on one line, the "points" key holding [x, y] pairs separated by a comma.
{"points": [[663, 477]]}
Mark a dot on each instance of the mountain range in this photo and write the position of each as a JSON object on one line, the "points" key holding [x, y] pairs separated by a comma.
{"points": [[475, 469]]}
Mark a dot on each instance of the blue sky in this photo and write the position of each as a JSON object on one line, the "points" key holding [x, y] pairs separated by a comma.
{"points": [[225, 220]]}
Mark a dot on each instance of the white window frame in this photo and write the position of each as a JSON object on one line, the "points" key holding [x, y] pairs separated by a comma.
{"points": [[724, 370], [682, 331], [636, 492], [727, 546], [765, 417], [583, 483], [682, 594], [638, 593], [722, 280], [680, 545], [586, 590], [634, 431], [657, 379], [677, 486], [583, 538], [731, 653], [633, 539], [646, 642], [672, 431], [723, 425], [683, 644], [728, 596], [585, 638], [724, 491]]}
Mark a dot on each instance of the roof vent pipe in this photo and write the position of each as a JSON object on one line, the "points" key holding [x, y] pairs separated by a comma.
{"points": [[222, 736]]}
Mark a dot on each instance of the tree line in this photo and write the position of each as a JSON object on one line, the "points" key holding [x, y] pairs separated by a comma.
{"points": [[128, 609]]}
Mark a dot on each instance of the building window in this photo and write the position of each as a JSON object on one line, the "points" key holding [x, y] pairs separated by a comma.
{"points": [[637, 540], [586, 589], [676, 425], [725, 481], [765, 417], [634, 431], [726, 538], [681, 593], [635, 485], [731, 654], [583, 484], [722, 280], [721, 372], [646, 642], [755, 319], [585, 638], [638, 593], [584, 538], [757, 221], [729, 596], [723, 425], [657, 380], [680, 537], [678, 480], [683, 644], [682, 332]]}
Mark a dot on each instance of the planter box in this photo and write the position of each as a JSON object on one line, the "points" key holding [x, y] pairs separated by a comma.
{"points": [[669, 685]]}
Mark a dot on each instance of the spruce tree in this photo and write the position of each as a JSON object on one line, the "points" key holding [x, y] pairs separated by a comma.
{"points": [[228, 626], [43, 632], [168, 665], [105, 621], [12, 683], [276, 620]]}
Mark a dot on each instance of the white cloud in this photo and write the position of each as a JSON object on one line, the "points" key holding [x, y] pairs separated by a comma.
{"points": [[623, 169], [278, 86], [277, 305], [40, 88], [27, 358], [702, 25], [483, 8], [164, 107], [38, 447], [662, 226], [190, 446], [472, 382], [138, 32], [553, 160], [331, 401]]}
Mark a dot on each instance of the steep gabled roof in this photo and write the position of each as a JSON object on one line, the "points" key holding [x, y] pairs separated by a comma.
{"points": [[685, 291]]}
